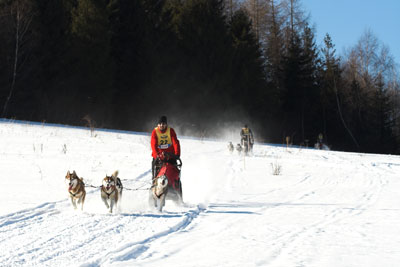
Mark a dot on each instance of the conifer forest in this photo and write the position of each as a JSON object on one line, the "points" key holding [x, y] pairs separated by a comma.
{"points": [[208, 65]]}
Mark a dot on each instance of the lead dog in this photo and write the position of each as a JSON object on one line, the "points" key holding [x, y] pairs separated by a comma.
{"points": [[76, 189], [158, 192], [111, 191]]}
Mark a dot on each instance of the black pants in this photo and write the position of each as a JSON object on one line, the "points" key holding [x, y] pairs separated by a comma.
{"points": [[154, 170]]}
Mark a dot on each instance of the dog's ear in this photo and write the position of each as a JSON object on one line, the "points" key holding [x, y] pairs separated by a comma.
{"points": [[68, 176], [74, 173]]}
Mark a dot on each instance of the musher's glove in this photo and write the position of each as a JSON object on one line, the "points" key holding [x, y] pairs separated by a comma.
{"points": [[160, 155]]}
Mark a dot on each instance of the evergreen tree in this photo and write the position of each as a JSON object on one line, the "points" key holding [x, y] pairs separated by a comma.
{"points": [[90, 63], [382, 139], [206, 47], [300, 95], [329, 79], [274, 49], [53, 22], [129, 38], [249, 79], [311, 104], [291, 93]]}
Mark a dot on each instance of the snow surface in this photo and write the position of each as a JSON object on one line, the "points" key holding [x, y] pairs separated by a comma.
{"points": [[325, 208]]}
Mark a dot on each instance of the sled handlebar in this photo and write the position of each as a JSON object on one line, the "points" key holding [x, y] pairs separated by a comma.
{"points": [[166, 156]]}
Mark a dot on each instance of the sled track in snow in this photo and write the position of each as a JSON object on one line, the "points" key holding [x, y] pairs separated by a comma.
{"points": [[290, 242], [133, 250], [52, 233], [66, 235]]}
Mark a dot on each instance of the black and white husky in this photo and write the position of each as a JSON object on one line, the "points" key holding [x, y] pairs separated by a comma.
{"points": [[111, 191]]}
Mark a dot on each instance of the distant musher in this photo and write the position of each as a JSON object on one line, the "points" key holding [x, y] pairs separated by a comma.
{"points": [[320, 141], [247, 140]]}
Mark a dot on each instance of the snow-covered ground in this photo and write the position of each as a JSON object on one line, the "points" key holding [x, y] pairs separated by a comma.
{"points": [[326, 208]]}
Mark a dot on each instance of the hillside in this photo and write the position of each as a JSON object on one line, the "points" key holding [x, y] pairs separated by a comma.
{"points": [[325, 208]]}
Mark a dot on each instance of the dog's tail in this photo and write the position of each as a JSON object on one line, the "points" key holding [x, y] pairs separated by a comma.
{"points": [[117, 180]]}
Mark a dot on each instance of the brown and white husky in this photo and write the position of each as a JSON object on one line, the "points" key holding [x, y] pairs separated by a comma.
{"points": [[76, 189], [111, 191]]}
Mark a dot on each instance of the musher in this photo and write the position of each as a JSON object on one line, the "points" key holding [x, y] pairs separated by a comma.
{"points": [[246, 135], [163, 139]]}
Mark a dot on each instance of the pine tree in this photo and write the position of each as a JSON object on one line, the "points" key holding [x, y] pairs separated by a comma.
{"points": [[382, 137], [249, 78], [274, 49], [291, 93], [90, 62], [329, 79], [52, 20], [310, 107], [202, 32]]}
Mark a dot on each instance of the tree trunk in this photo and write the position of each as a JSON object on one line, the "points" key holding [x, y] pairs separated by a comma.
{"points": [[21, 12]]}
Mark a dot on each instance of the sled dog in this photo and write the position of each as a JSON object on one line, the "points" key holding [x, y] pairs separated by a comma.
{"points": [[239, 148], [111, 191], [158, 192], [76, 189], [230, 147]]}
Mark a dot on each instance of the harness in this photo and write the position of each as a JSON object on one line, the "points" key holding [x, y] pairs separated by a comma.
{"points": [[158, 196], [154, 185], [108, 194], [72, 194], [78, 187]]}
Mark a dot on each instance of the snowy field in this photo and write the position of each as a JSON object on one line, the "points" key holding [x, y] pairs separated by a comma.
{"points": [[325, 208]]}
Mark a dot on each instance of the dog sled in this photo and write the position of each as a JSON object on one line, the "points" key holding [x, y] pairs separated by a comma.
{"points": [[168, 168]]}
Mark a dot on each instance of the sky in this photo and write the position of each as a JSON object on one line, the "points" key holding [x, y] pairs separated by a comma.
{"points": [[346, 21], [324, 208]]}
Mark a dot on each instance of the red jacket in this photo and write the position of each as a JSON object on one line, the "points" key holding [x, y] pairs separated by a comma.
{"points": [[174, 148]]}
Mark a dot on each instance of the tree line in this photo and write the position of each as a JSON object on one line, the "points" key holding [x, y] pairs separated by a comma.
{"points": [[207, 64]]}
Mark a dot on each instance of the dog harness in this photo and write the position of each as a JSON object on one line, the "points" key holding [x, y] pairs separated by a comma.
{"points": [[108, 194], [164, 139], [78, 187], [154, 184]]}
